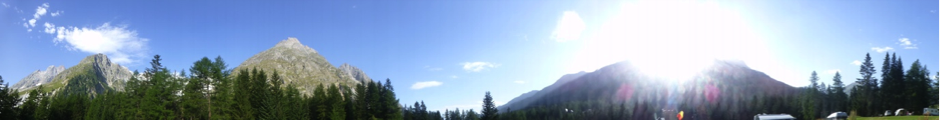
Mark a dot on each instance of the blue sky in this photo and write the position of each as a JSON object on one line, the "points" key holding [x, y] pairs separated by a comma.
{"points": [[448, 53]]}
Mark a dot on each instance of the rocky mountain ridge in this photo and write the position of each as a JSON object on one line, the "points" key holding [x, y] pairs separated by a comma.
{"points": [[302, 66], [38, 77]]}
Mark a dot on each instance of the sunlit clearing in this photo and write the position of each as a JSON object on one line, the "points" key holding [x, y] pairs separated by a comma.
{"points": [[670, 39]]}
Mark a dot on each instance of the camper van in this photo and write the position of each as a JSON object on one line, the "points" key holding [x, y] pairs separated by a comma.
{"points": [[930, 111], [773, 117]]}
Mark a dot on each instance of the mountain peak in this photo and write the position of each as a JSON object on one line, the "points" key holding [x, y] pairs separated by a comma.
{"points": [[355, 73], [293, 43], [299, 65], [97, 58], [38, 77]]}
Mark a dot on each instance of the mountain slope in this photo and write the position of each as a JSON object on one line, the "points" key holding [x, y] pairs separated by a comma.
{"points": [[38, 78], [725, 84], [94, 74], [524, 98], [298, 64], [355, 73]]}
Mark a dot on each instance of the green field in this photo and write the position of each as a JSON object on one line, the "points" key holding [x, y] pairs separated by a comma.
{"points": [[899, 118]]}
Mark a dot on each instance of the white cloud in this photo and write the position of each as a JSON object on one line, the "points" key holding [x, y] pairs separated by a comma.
{"points": [[50, 28], [906, 43], [519, 82], [881, 49], [833, 71], [57, 13], [478, 66], [453, 76], [32, 22], [122, 45], [569, 27], [433, 68], [425, 84], [856, 62], [41, 10]]}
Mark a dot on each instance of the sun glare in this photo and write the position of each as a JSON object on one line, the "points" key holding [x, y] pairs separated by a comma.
{"points": [[669, 39]]}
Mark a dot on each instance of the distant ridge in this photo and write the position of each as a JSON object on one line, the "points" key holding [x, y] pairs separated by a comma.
{"points": [[92, 75]]}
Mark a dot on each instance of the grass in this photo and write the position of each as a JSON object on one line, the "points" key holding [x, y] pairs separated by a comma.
{"points": [[900, 118]]}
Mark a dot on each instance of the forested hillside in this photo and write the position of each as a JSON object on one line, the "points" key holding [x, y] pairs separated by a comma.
{"points": [[727, 90]]}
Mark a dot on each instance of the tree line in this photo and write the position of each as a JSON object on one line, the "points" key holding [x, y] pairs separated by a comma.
{"points": [[210, 91], [912, 90]]}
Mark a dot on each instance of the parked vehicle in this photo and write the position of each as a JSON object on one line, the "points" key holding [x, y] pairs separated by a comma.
{"points": [[837, 116], [773, 117], [930, 111]]}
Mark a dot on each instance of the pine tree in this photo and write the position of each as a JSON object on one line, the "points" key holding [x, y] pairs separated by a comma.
{"points": [[918, 86], [839, 96], [335, 103], [220, 97], [318, 106], [867, 86], [809, 98], [389, 102], [888, 85], [243, 109], [899, 87], [159, 98], [489, 109], [8, 101]]}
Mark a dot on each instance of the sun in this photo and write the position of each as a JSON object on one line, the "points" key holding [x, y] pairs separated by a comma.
{"points": [[670, 39]]}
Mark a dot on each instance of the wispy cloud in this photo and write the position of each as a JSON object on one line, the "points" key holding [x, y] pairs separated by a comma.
{"points": [[40, 11], [4, 4], [478, 66], [453, 76], [57, 13], [519, 82], [856, 63], [32, 23], [50, 28], [425, 84], [906, 43], [881, 49], [569, 27], [433, 68], [122, 45]]}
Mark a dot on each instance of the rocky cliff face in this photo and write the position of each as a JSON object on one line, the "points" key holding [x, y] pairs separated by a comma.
{"points": [[94, 74], [355, 73], [299, 65], [38, 78]]}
